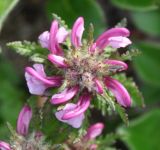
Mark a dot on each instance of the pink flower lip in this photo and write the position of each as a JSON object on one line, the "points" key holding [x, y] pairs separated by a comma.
{"points": [[103, 40], [77, 32], [44, 39], [116, 65], [76, 121], [24, 119], [64, 96], [57, 60], [32, 72], [119, 41], [4, 146], [38, 82], [94, 131], [82, 105], [120, 92]]}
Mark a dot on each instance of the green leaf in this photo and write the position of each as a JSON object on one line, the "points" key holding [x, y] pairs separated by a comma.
{"points": [[6, 7], [143, 132], [69, 10], [138, 5], [122, 112], [151, 25], [130, 54], [31, 49], [147, 64], [129, 84]]}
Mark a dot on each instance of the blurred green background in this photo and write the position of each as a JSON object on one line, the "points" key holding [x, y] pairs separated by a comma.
{"points": [[26, 19]]}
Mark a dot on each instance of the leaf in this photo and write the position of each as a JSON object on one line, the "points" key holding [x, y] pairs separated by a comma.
{"points": [[143, 132], [6, 7], [142, 5], [147, 65], [122, 112], [31, 49], [151, 25], [130, 54], [132, 88], [107, 141], [69, 10]]}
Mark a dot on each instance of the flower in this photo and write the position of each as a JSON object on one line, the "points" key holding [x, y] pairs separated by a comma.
{"points": [[51, 40], [23, 121], [84, 69], [4, 146], [37, 80], [74, 121], [94, 131]]}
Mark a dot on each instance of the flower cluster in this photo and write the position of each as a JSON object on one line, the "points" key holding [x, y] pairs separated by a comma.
{"points": [[82, 69]]}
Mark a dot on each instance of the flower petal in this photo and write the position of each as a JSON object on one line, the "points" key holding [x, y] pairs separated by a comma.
{"points": [[82, 105], [37, 81], [44, 39], [103, 39], [121, 94], [116, 65], [54, 45], [4, 146], [99, 87], [24, 119], [75, 122], [61, 35], [94, 131], [119, 41], [64, 96], [52, 37], [57, 60], [77, 32]]}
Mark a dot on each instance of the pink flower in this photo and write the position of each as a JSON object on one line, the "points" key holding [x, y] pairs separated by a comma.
{"points": [[37, 80], [52, 39], [115, 37], [94, 131], [86, 70], [77, 32], [74, 121], [24, 119], [64, 96], [121, 94], [4, 146], [81, 107]]}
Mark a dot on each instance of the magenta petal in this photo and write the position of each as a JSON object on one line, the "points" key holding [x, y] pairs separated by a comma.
{"points": [[75, 122], [82, 105], [94, 131], [121, 94], [4, 146], [24, 119], [57, 60], [64, 96], [52, 37], [44, 39], [103, 39], [77, 32], [99, 87], [116, 65], [37, 81], [119, 41]]}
